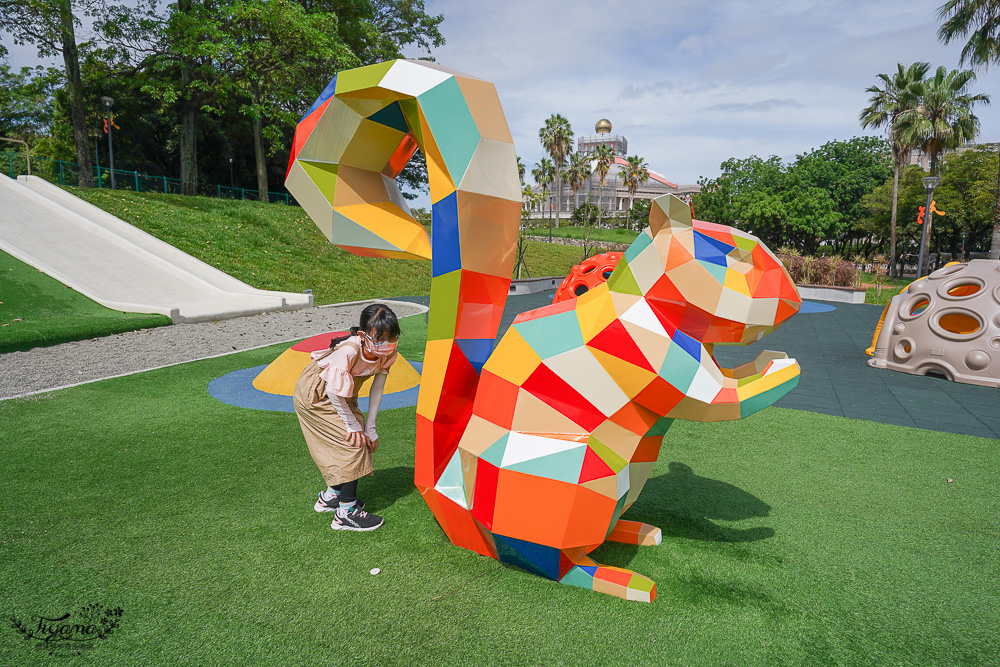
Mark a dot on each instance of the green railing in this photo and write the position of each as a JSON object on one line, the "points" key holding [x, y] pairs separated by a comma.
{"points": [[62, 172]]}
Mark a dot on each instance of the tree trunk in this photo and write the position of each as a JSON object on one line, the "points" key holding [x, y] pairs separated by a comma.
{"points": [[260, 157], [74, 86], [189, 136], [995, 243], [892, 218], [558, 195]]}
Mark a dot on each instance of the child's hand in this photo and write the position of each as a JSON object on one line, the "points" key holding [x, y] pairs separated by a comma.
{"points": [[373, 445], [356, 439]]}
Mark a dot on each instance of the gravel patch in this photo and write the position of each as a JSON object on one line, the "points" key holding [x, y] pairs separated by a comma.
{"points": [[46, 368]]}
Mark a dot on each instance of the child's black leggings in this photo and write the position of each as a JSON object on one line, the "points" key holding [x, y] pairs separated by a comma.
{"points": [[348, 491]]}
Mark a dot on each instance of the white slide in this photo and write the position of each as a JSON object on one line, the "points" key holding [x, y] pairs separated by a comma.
{"points": [[117, 265]]}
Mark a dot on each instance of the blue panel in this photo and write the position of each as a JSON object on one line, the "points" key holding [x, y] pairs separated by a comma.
{"points": [[589, 569], [327, 93], [809, 307], [536, 558], [476, 350], [391, 116], [446, 253], [688, 344], [711, 250]]}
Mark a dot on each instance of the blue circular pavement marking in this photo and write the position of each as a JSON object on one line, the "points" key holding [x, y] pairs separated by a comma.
{"points": [[237, 389], [809, 307]]}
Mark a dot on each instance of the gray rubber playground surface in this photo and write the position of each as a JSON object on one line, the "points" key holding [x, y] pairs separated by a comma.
{"points": [[836, 379]]}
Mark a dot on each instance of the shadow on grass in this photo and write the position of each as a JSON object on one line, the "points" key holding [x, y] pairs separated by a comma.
{"points": [[388, 486], [682, 504]]}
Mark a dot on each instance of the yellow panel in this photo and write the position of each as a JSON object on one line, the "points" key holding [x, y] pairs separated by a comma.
{"points": [[513, 359], [629, 377], [362, 78], [487, 230], [390, 223], [595, 310], [436, 356], [484, 104], [438, 179], [372, 146], [737, 282], [366, 107]]}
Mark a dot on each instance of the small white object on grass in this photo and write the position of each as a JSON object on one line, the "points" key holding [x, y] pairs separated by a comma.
{"points": [[374, 570]]}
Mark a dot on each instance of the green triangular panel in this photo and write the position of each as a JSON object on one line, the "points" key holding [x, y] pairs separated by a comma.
{"points": [[661, 426], [324, 175], [444, 305], [561, 466], [494, 453], [744, 243], [412, 116], [760, 401], [346, 232], [391, 116], [454, 129], [552, 335], [362, 77], [622, 280], [619, 509], [614, 461]]}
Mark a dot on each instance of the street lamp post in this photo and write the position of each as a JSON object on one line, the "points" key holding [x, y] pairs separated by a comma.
{"points": [[108, 101], [230, 174], [930, 183], [96, 136]]}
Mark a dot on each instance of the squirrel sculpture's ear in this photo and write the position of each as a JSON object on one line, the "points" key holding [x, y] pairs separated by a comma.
{"points": [[669, 214]]}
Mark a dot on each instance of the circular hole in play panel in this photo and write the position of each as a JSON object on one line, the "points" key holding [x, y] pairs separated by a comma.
{"points": [[903, 349], [962, 288], [916, 307], [957, 324], [589, 269], [607, 273], [995, 343], [580, 289]]}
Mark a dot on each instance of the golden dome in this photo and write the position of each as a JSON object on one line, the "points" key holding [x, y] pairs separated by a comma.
{"points": [[603, 126]]}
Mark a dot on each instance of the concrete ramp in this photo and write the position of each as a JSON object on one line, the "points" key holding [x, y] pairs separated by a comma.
{"points": [[117, 265]]}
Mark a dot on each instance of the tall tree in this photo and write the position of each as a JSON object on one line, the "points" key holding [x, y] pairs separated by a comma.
{"points": [[635, 173], [520, 170], [979, 21], [899, 93], [544, 174], [27, 102], [556, 137], [604, 155], [50, 26], [944, 120], [577, 173]]}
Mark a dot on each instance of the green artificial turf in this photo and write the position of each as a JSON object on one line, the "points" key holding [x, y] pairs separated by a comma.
{"points": [[788, 537], [36, 310]]}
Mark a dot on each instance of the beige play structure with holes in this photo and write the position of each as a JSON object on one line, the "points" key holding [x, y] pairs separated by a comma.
{"points": [[945, 324]]}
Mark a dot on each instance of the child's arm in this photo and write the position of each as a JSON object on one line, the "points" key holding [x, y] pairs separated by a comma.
{"points": [[374, 400]]}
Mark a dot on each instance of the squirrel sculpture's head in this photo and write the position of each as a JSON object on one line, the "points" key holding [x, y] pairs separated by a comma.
{"points": [[714, 283]]}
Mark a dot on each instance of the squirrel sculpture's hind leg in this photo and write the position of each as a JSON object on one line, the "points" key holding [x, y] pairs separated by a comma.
{"points": [[635, 532], [585, 572]]}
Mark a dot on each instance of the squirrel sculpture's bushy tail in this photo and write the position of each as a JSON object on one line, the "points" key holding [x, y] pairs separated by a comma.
{"points": [[347, 151]]}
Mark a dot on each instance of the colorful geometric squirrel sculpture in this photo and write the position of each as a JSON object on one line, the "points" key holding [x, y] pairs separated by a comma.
{"points": [[530, 452]]}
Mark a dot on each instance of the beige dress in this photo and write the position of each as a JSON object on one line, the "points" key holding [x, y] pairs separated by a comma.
{"points": [[346, 371]]}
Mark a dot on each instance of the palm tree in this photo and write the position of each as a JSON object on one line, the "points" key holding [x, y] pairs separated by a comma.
{"points": [[557, 139], [943, 121], [520, 169], [543, 173], [635, 173], [577, 173], [605, 156], [980, 21], [899, 93]]}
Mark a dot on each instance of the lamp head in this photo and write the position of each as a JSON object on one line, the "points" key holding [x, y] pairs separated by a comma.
{"points": [[931, 182], [107, 101]]}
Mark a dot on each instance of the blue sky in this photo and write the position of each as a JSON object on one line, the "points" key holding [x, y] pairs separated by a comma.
{"points": [[691, 84]]}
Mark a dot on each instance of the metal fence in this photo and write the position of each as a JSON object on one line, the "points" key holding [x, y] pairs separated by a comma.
{"points": [[62, 172]]}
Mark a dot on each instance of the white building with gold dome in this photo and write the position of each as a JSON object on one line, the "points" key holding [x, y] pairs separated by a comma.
{"points": [[614, 196]]}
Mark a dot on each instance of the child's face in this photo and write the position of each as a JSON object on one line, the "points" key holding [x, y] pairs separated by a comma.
{"points": [[379, 344]]}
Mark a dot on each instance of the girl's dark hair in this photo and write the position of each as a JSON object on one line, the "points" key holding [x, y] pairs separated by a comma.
{"points": [[378, 317]]}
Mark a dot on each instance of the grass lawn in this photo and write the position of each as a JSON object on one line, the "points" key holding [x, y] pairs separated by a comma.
{"points": [[566, 231], [36, 309], [789, 537], [276, 247]]}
